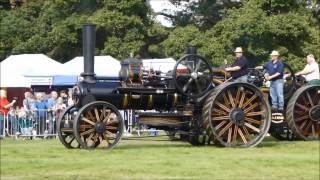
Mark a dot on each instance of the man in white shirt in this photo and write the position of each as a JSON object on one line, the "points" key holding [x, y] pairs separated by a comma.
{"points": [[310, 71]]}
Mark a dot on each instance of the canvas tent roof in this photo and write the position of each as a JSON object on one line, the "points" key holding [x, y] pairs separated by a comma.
{"points": [[163, 65], [103, 66], [29, 65]]}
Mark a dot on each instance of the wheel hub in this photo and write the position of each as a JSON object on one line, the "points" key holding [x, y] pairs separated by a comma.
{"points": [[100, 127], [194, 75], [237, 116], [314, 113]]}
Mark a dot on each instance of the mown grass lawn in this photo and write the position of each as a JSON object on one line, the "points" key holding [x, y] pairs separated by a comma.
{"points": [[48, 159]]}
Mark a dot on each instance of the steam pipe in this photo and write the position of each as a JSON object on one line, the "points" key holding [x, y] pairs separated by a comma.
{"points": [[191, 49]]}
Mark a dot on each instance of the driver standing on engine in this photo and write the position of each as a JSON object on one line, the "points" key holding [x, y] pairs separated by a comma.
{"points": [[239, 69], [275, 70]]}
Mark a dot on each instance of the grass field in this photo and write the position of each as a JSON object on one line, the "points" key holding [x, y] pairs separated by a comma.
{"points": [[48, 159]]}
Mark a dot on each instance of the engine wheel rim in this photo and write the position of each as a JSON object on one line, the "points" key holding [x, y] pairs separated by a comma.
{"points": [[65, 130], [196, 80], [98, 124], [241, 97], [301, 118]]}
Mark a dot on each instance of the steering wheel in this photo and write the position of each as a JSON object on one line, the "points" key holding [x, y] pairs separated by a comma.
{"points": [[192, 75]]}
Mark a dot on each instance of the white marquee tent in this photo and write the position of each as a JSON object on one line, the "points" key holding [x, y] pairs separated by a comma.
{"points": [[30, 65], [16, 70], [164, 65], [103, 66], [38, 69]]}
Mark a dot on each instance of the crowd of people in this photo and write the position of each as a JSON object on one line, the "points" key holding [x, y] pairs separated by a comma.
{"points": [[37, 116], [275, 74]]}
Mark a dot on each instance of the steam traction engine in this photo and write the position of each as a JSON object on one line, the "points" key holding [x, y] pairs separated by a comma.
{"points": [[185, 100], [301, 119]]}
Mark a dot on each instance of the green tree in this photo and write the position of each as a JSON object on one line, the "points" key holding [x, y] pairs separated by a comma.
{"points": [[178, 40], [54, 28], [259, 28], [201, 13], [48, 27]]}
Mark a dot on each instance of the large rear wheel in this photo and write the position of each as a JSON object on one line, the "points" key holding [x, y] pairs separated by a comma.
{"points": [[236, 115], [303, 112]]}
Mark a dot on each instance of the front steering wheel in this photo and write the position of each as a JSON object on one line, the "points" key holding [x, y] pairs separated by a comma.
{"points": [[192, 75]]}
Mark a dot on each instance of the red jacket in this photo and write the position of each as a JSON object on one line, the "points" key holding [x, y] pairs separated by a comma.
{"points": [[3, 102]]}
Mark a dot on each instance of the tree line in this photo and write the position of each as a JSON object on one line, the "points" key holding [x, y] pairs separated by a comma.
{"points": [[215, 27]]}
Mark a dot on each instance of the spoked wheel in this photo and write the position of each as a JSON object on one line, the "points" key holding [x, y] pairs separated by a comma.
{"points": [[65, 130], [98, 123], [236, 115], [303, 113], [192, 75]]}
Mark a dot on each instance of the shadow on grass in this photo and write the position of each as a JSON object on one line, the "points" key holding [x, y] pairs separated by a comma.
{"points": [[272, 142], [152, 146], [126, 144], [269, 142]]}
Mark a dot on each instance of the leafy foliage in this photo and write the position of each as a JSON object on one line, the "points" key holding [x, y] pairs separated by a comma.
{"points": [[283, 26], [178, 40], [54, 27]]}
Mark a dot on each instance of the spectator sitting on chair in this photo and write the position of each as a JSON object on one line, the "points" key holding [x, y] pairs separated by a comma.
{"points": [[311, 71], [275, 70], [239, 69]]}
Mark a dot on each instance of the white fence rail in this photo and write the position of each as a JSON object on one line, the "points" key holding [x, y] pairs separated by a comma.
{"points": [[42, 123], [39, 123]]}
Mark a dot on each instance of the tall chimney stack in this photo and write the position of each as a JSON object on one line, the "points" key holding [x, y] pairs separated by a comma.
{"points": [[89, 41]]}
